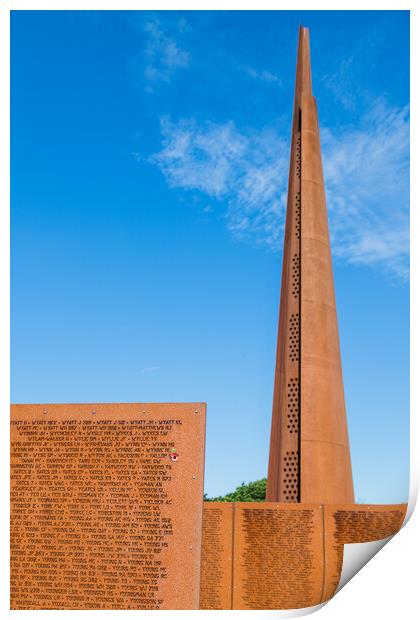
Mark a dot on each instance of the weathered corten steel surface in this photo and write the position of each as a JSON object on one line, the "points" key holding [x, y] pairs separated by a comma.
{"points": [[309, 446], [216, 556], [283, 555], [278, 556], [106, 505], [358, 523]]}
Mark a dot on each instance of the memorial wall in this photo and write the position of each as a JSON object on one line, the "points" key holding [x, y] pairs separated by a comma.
{"points": [[283, 556], [216, 556], [107, 513], [106, 506]]}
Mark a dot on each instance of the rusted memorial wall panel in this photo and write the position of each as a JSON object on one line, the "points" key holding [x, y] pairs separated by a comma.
{"points": [[356, 523], [106, 506], [283, 555], [278, 556], [365, 522], [216, 556]]}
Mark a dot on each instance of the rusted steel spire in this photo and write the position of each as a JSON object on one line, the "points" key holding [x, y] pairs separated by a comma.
{"points": [[309, 447]]}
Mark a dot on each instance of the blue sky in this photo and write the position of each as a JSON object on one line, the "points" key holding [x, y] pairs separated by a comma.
{"points": [[149, 171]]}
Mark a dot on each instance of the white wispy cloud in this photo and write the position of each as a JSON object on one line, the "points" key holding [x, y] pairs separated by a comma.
{"points": [[339, 84], [366, 172], [148, 370], [264, 75], [248, 170], [367, 180], [163, 54], [352, 72]]}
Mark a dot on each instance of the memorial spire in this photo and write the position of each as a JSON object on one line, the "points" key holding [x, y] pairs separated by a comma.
{"points": [[309, 447]]}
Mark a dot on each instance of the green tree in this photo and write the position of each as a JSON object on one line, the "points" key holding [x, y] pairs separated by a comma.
{"points": [[251, 492]]}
